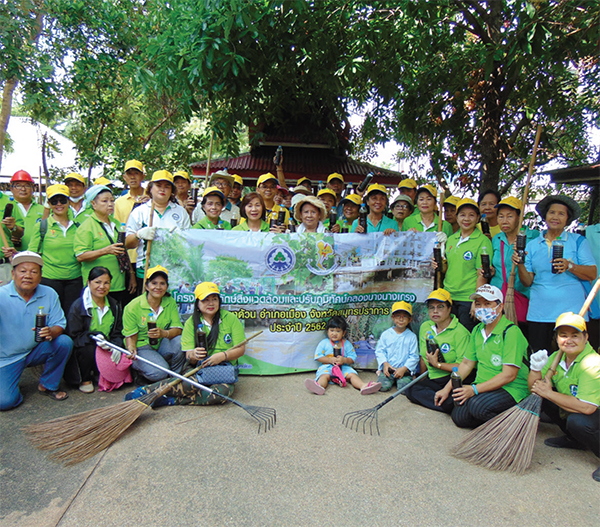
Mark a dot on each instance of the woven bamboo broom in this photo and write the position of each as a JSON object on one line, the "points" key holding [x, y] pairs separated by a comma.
{"points": [[506, 442], [78, 437], [510, 311]]}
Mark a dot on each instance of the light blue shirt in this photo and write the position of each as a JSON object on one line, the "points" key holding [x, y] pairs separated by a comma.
{"points": [[17, 318], [500, 244], [398, 349], [553, 294], [384, 223]]}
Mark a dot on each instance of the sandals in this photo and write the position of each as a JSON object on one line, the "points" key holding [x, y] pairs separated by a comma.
{"points": [[53, 394], [314, 387], [337, 377], [86, 388], [372, 387]]}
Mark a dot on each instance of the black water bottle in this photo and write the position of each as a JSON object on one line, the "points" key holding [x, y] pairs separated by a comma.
{"points": [[337, 349], [332, 218], [437, 256], [432, 347], [200, 337], [485, 263], [362, 217], [281, 217], [152, 325], [521, 243], [278, 155], [8, 211], [40, 322], [456, 381], [364, 183], [485, 226], [557, 252], [292, 225]]}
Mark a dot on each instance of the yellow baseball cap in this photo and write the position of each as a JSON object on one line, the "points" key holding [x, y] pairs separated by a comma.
{"points": [[76, 177], [182, 174], [162, 175], [375, 187], [103, 181], [441, 295], [402, 306], [407, 183], [325, 191], [451, 200], [335, 175], [467, 201], [134, 163], [57, 190], [205, 289], [428, 188], [512, 202], [265, 177], [238, 179], [572, 320], [214, 190], [302, 180], [158, 269], [353, 198]]}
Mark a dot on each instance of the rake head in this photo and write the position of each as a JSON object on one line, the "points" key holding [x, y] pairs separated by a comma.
{"points": [[266, 417], [364, 418]]}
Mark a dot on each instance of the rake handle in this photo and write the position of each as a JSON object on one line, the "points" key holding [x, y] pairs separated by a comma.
{"points": [[401, 390]]}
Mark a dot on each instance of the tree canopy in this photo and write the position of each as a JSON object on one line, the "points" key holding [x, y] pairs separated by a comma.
{"points": [[464, 82]]}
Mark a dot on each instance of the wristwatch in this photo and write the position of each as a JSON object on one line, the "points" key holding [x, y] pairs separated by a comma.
{"points": [[571, 265]]}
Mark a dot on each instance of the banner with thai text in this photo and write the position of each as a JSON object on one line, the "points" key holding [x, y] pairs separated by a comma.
{"points": [[289, 285]]}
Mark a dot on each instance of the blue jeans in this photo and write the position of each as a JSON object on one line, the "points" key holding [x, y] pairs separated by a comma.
{"points": [[168, 355], [53, 355]]}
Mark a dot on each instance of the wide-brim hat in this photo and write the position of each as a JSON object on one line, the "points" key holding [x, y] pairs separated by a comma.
{"points": [[403, 197], [312, 200], [574, 208], [301, 189], [221, 174]]}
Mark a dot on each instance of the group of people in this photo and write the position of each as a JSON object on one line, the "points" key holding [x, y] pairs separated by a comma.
{"points": [[80, 261]]}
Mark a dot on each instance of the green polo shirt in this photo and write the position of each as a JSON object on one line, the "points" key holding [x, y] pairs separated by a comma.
{"points": [[264, 226], [414, 222], [83, 215], [452, 341], [463, 261], [106, 324], [231, 333], [135, 318], [33, 216], [5, 200], [205, 223], [498, 349], [581, 379], [90, 236], [56, 250]]}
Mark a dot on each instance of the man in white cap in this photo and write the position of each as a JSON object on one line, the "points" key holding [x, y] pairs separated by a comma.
{"points": [[497, 348], [20, 303]]}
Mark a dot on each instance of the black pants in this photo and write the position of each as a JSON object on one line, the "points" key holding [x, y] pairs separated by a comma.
{"points": [[423, 392], [481, 408], [67, 290], [462, 311], [585, 429], [541, 336]]}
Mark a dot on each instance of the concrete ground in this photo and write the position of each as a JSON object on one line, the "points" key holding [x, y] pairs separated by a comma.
{"points": [[208, 466]]}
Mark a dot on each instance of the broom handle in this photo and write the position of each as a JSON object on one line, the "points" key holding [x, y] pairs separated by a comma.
{"points": [[148, 248], [586, 305]]}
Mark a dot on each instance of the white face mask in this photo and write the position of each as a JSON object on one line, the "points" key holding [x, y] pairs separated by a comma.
{"points": [[486, 314], [77, 200]]}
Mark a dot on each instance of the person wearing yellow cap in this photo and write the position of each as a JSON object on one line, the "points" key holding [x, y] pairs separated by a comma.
{"points": [[408, 187], [448, 339], [350, 209], [224, 182], [335, 183], [376, 200], [329, 199], [213, 201], [572, 398], [160, 344], [450, 212], [168, 214], [306, 183], [463, 257], [25, 212], [77, 187], [397, 350], [266, 186], [487, 202], [497, 349], [133, 175], [53, 239], [509, 210], [426, 220], [104, 181], [235, 198], [211, 336], [183, 184]]}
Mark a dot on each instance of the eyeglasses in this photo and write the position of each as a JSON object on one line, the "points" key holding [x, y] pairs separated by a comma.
{"points": [[266, 185], [401, 207], [55, 200], [437, 307], [221, 184], [21, 186]]}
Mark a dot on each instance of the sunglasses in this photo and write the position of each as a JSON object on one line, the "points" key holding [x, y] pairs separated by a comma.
{"points": [[55, 200]]}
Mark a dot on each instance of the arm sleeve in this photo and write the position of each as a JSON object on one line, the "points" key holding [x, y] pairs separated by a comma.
{"points": [[237, 331], [77, 328], [349, 350], [584, 254], [413, 353], [129, 323], [422, 345], [354, 225], [462, 343], [187, 337], [470, 353], [56, 317], [588, 386], [529, 248], [34, 241], [515, 347], [321, 350], [381, 350]]}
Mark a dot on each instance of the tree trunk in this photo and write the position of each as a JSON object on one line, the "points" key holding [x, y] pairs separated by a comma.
{"points": [[7, 97]]}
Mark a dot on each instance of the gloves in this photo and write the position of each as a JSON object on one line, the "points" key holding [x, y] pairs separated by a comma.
{"points": [[146, 233], [538, 360], [115, 356], [441, 237]]}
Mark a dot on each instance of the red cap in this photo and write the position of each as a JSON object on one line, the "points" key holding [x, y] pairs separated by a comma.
{"points": [[21, 175]]}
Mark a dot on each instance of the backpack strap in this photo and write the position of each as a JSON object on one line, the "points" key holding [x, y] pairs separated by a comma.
{"points": [[529, 350], [43, 231]]}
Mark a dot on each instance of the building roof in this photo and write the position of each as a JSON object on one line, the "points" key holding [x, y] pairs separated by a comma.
{"points": [[299, 161], [580, 175]]}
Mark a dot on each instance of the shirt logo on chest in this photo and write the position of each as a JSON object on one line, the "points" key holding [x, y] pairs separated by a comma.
{"points": [[445, 347], [468, 256], [496, 360], [573, 389], [227, 338]]}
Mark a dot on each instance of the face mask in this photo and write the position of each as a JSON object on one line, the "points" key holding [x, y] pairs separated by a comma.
{"points": [[77, 200], [486, 314]]}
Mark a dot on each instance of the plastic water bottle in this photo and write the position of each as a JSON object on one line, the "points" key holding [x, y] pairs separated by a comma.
{"points": [[456, 381], [362, 217], [200, 337], [485, 263], [152, 325], [40, 322], [521, 244], [485, 226], [557, 252]]}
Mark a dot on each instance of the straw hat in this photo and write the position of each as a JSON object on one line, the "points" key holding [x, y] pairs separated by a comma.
{"points": [[312, 200]]}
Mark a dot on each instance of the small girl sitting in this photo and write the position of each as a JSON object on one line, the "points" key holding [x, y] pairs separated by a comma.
{"points": [[336, 354]]}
